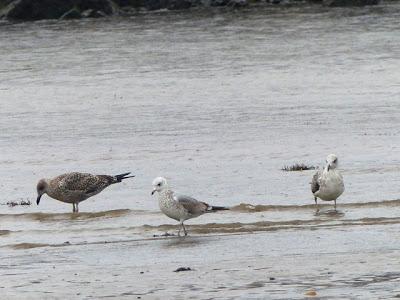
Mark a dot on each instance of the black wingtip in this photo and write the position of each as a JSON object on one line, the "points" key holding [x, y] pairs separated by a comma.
{"points": [[215, 208], [123, 176]]}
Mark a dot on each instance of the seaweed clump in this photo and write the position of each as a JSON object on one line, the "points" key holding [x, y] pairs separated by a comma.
{"points": [[21, 203], [297, 167]]}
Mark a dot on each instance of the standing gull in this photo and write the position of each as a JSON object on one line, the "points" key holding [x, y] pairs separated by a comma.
{"points": [[76, 187], [327, 184], [180, 207]]}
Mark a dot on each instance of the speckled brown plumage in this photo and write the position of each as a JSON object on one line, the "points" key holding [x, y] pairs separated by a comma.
{"points": [[76, 187]]}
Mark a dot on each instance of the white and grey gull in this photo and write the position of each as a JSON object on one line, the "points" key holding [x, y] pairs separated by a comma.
{"points": [[180, 207], [76, 187], [328, 184]]}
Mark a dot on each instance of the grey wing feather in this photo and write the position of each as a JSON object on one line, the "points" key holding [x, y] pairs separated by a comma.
{"points": [[192, 205], [315, 183], [83, 182]]}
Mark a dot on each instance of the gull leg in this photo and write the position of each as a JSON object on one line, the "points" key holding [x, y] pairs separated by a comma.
{"points": [[184, 229], [179, 231], [73, 207], [335, 204], [316, 203], [77, 209]]}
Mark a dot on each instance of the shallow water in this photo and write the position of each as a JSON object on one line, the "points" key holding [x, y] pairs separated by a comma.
{"points": [[218, 103]]}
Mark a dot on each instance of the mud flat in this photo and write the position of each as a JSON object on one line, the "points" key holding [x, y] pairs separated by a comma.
{"points": [[337, 263]]}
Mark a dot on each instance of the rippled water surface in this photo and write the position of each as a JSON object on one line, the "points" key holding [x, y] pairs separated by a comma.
{"points": [[217, 102]]}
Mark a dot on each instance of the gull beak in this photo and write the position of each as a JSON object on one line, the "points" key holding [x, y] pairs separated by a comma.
{"points": [[152, 193], [38, 199], [328, 167]]}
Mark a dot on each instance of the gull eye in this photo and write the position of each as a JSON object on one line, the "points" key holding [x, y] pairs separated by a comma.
{"points": [[159, 184], [335, 161]]}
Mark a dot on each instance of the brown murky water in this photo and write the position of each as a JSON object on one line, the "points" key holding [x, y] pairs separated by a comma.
{"points": [[218, 103]]}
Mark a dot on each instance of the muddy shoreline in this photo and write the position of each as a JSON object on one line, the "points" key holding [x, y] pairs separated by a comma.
{"points": [[333, 263]]}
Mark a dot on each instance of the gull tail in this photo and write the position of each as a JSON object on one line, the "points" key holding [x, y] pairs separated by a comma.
{"points": [[217, 208], [123, 176]]}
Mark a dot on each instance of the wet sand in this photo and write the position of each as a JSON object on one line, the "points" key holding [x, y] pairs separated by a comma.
{"points": [[355, 260], [351, 253]]}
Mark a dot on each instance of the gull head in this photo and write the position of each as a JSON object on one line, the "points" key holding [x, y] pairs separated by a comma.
{"points": [[41, 189], [159, 184], [331, 161]]}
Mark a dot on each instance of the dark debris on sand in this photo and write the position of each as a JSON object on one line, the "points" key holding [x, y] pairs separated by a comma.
{"points": [[297, 167], [21, 203], [183, 269], [166, 234]]}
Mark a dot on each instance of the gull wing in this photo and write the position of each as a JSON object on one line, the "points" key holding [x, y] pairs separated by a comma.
{"points": [[84, 182], [316, 181], [192, 205]]}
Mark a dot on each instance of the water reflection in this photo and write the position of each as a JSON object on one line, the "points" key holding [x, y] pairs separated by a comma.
{"points": [[329, 213], [184, 241]]}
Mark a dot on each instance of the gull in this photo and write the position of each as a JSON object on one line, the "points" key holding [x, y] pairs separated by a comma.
{"points": [[327, 184], [180, 207], [76, 187]]}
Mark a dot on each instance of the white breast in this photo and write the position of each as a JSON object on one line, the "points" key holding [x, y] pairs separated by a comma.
{"points": [[331, 185], [172, 208]]}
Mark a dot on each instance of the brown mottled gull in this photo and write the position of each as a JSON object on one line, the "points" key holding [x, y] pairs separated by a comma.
{"points": [[180, 207], [327, 184], [76, 187]]}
